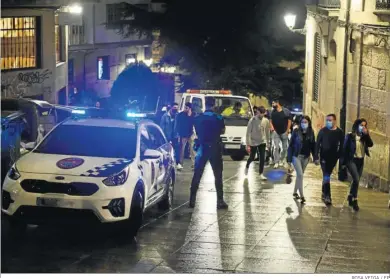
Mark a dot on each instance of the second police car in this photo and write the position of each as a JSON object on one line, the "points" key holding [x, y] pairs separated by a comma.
{"points": [[104, 170]]}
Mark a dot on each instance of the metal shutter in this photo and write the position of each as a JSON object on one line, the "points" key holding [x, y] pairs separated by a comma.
{"points": [[317, 67]]}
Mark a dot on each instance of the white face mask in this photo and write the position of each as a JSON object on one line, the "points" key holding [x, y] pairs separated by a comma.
{"points": [[304, 126]]}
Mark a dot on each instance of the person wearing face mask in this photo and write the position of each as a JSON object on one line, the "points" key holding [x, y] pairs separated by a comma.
{"points": [[356, 147], [302, 145], [329, 148], [257, 139]]}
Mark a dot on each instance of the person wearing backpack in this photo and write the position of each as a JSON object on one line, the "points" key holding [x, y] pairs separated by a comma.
{"points": [[280, 125]]}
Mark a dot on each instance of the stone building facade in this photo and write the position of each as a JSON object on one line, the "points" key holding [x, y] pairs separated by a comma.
{"points": [[367, 70]]}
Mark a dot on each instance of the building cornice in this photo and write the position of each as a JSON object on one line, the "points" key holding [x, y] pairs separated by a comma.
{"points": [[363, 28], [321, 17]]}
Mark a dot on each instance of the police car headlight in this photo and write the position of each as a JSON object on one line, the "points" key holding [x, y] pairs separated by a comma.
{"points": [[13, 173], [117, 179]]}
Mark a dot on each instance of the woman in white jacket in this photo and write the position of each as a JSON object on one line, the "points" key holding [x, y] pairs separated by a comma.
{"points": [[257, 139]]}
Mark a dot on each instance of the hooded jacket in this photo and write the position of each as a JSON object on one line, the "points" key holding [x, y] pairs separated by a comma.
{"points": [[258, 131]]}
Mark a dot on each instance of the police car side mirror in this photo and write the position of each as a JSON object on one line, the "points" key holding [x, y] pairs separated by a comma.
{"points": [[150, 154]]}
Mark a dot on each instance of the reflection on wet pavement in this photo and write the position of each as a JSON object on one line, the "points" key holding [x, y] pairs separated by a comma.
{"points": [[263, 231]]}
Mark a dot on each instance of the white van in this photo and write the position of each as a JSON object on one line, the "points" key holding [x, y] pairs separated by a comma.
{"points": [[236, 110]]}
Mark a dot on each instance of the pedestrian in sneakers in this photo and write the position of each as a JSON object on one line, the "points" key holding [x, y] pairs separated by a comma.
{"points": [[302, 145], [257, 138], [356, 147], [280, 125], [329, 147]]}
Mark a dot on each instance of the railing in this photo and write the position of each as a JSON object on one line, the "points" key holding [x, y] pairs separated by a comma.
{"points": [[331, 4], [382, 4]]}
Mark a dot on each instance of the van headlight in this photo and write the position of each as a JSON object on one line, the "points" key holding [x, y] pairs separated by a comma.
{"points": [[243, 140]]}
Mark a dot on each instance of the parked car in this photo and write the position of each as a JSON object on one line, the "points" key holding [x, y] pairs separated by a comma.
{"points": [[12, 125], [36, 113]]}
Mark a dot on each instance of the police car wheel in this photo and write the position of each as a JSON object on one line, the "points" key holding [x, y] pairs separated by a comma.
{"points": [[134, 222], [167, 200]]}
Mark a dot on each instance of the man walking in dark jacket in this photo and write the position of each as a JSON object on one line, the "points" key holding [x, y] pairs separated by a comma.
{"points": [[329, 147], [184, 128]]}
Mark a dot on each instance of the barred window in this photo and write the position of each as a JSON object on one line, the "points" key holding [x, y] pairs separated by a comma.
{"points": [[115, 12], [317, 67], [18, 42]]}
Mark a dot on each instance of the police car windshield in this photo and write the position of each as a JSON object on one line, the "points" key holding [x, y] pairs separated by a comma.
{"points": [[91, 141], [232, 107]]}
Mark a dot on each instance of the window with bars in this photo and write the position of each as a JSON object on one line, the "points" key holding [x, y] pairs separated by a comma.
{"points": [[19, 47], [115, 12], [317, 67], [76, 35]]}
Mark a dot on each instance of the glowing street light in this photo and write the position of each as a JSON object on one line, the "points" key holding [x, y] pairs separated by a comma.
{"points": [[290, 19], [76, 9]]}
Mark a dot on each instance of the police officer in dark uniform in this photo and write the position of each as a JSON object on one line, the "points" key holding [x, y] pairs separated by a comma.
{"points": [[209, 127]]}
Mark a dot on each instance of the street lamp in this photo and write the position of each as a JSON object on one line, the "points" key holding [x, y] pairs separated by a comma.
{"points": [[290, 20], [75, 9]]}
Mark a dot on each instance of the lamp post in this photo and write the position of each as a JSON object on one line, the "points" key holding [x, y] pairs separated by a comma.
{"points": [[290, 20]]}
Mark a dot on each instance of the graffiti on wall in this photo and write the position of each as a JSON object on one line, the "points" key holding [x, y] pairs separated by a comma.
{"points": [[11, 87], [18, 85], [36, 77]]}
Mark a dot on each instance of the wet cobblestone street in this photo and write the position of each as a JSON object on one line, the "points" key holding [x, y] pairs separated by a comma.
{"points": [[263, 231]]}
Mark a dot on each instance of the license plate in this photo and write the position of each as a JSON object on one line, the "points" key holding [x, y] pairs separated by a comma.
{"points": [[232, 146], [47, 202]]}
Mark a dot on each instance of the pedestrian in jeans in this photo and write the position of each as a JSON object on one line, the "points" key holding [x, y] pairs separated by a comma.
{"points": [[302, 144], [167, 124], [257, 138], [184, 128], [280, 125], [329, 147], [356, 147]]}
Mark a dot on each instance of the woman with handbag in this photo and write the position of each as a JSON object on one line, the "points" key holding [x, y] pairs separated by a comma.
{"points": [[302, 145], [356, 147]]}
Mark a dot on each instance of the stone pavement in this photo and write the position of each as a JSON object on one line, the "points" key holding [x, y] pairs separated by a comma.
{"points": [[263, 231]]}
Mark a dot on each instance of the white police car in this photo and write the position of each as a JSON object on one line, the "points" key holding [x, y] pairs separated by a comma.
{"points": [[92, 169]]}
